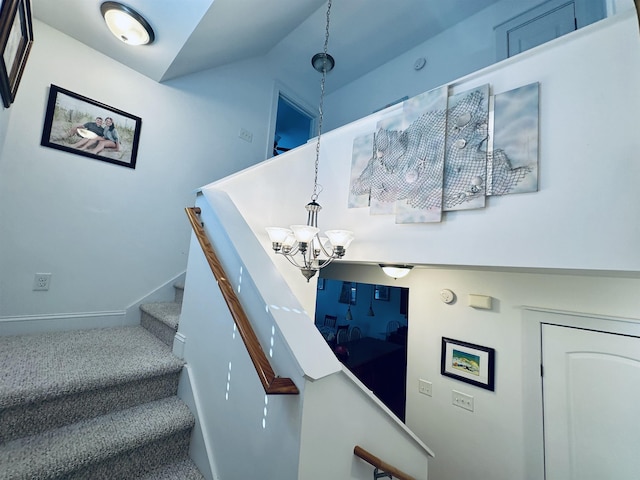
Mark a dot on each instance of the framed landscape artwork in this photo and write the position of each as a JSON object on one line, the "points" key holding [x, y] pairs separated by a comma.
{"points": [[82, 126], [16, 37], [468, 363]]}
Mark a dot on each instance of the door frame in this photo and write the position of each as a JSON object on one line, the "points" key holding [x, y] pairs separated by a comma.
{"points": [[532, 396], [279, 89]]}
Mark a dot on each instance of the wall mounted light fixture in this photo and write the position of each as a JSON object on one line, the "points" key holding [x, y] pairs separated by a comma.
{"points": [[396, 271], [126, 24]]}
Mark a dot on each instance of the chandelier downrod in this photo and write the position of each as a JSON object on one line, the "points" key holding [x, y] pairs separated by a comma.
{"points": [[302, 245]]}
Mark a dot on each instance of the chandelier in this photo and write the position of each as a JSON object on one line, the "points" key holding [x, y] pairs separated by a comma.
{"points": [[302, 245]]}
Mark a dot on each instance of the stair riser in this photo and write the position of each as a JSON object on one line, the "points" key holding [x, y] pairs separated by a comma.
{"points": [[34, 418], [159, 329], [133, 463], [125, 465]]}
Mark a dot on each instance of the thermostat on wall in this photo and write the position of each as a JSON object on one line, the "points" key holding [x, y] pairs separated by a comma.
{"points": [[447, 296]]}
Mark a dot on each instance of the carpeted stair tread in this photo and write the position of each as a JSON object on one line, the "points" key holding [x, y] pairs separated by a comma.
{"points": [[181, 470], [60, 452], [166, 312], [50, 365]]}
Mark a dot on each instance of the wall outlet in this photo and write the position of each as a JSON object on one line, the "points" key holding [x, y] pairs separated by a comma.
{"points": [[245, 135], [41, 281], [462, 400], [424, 387]]}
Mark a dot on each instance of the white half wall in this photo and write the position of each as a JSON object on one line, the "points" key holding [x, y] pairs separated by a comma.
{"points": [[579, 218], [571, 246]]}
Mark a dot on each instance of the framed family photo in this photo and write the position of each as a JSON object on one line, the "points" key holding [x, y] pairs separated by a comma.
{"points": [[468, 363], [16, 37], [86, 127]]}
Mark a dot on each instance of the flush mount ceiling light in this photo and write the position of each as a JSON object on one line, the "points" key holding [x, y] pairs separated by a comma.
{"points": [[127, 24], [396, 271], [302, 245]]}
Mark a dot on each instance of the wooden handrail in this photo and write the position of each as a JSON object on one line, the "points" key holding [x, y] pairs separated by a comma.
{"points": [[382, 465], [271, 384]]}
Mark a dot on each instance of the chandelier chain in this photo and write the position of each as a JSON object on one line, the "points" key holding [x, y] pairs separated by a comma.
{"points": [[315, 194]]}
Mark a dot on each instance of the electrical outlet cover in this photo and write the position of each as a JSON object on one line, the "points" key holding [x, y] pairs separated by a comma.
{"points": [[41, 281]]}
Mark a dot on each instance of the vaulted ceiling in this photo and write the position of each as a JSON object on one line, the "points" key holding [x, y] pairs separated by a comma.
{"points": [[195, 35]]}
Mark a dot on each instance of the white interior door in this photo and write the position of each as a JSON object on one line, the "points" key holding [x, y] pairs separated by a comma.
{"points": [[591, 390]]}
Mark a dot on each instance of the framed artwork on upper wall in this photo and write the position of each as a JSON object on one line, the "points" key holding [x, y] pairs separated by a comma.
{"points": [[86, 127], [468, 363], [16, 37]]}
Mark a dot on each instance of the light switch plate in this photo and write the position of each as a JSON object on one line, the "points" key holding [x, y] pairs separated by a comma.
{"points": [[424, 387], [462, 400]]}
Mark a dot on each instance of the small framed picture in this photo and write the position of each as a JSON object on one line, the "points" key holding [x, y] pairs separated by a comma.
{"points": [[468, 363], [16, 37], [381, 292], [86, 127]]}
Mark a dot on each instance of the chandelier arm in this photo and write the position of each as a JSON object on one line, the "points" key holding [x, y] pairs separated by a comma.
{"points": [[330, 253], [291, 260]]}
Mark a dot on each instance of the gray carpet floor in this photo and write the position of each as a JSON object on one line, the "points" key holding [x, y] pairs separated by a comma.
{"points": [[38, 367], [92, 404]]}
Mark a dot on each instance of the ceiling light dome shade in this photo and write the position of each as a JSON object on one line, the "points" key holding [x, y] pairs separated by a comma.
{"points": [[126, 24], [396, 271]]}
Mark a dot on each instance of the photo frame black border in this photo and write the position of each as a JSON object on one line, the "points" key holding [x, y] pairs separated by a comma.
{"points": [[10, 75], [490, 352], [46, 141]]}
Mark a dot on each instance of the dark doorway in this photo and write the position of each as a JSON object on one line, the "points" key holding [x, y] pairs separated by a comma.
{"points": [[293, 126], [366, 325]]}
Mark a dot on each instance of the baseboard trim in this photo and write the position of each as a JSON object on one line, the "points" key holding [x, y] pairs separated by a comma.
{"points": [[26, 324]]}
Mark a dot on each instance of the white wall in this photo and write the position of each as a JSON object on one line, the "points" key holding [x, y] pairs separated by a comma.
{"points": [[493, 441], [588, 169], [580, 221], [109, 234], [5, 114], [458, 51]]}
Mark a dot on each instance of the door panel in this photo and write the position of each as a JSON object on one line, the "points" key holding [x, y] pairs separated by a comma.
{"points": [[591, 387]]}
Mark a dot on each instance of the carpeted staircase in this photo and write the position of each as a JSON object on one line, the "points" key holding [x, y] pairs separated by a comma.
{"points": [[96, 404]]}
